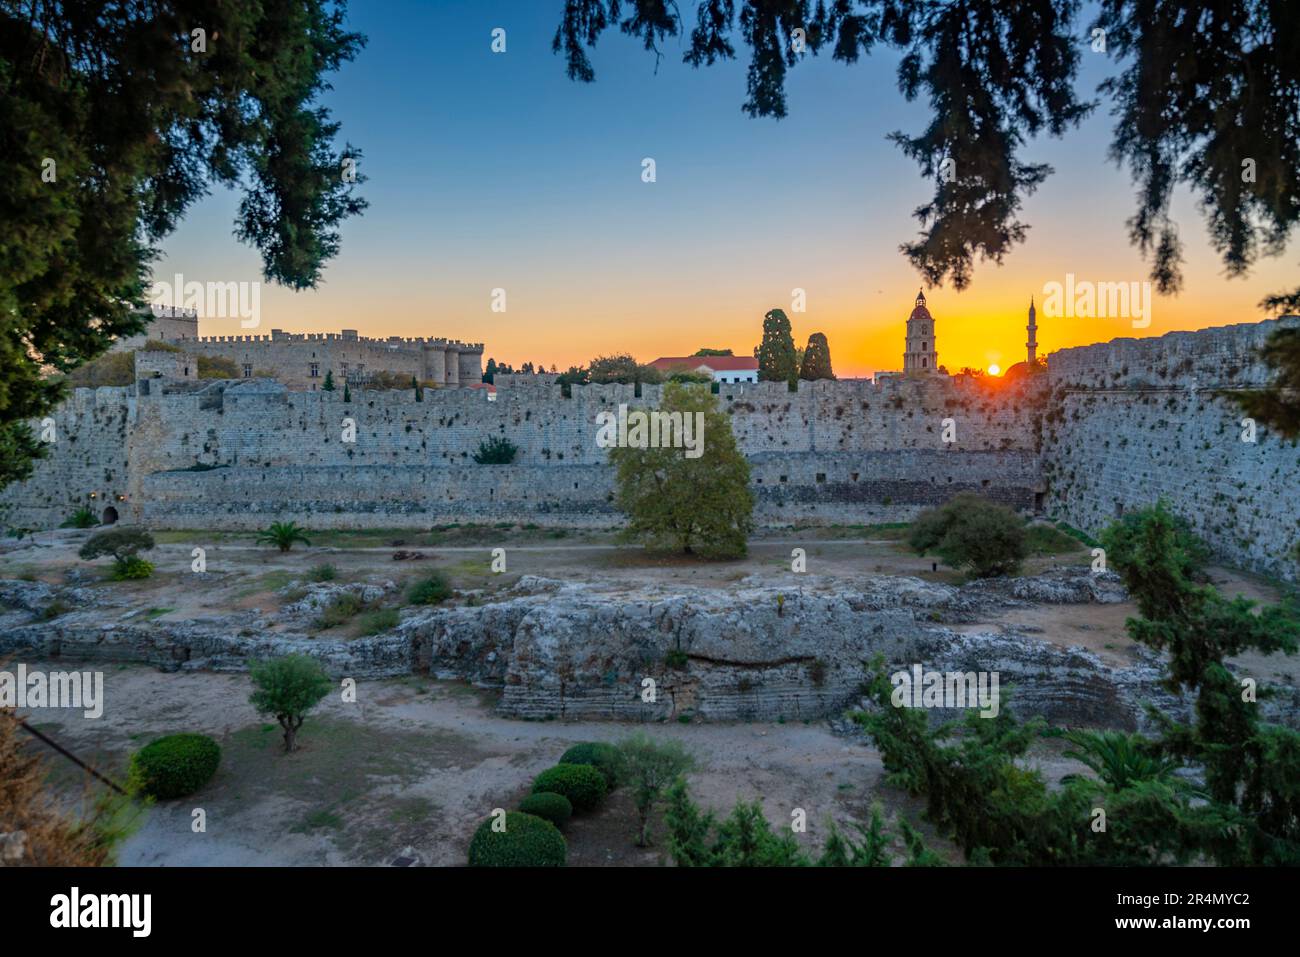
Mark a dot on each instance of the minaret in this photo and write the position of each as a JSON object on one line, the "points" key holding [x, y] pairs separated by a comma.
{"points": [[919, 352], [1032, 344]]}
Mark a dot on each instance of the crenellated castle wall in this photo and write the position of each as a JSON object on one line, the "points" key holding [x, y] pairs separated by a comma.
{"points": [[1111, 427], [302, 360], [232, 453]]}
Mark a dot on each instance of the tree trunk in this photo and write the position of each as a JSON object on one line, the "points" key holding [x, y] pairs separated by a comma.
{"points": [[644, 839], [290, 734]]}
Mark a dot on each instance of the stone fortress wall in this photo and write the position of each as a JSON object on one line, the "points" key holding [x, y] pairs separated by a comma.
{"points": [[238, 453], [168, 324], [1112, 426], [1135, 420], [301, 360]]}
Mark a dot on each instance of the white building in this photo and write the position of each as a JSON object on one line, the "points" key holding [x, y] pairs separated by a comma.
{"points": [[721, 368]]}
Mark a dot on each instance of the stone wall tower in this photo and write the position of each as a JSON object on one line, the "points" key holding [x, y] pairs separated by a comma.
{"points": [[920, 354], [1032, 327]]}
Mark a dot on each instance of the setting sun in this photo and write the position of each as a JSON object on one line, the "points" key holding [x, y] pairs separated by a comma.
{"points": [[995, 369]]}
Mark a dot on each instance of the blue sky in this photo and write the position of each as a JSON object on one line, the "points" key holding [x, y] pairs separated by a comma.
{"points": [[495, 171]]}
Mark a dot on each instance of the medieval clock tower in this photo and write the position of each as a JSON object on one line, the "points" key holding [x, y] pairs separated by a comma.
{"points": [[920, 354]]}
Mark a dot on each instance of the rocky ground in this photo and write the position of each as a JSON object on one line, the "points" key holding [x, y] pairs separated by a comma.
{"points": [[751, 664], [415, 764]]}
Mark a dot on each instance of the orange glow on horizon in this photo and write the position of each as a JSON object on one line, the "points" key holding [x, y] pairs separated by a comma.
{"points": [[553, 324]]}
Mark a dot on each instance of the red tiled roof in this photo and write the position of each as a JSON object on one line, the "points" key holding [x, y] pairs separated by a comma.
{"points": [[716, 363]]}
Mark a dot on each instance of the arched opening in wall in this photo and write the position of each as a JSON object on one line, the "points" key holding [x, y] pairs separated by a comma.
{"points": [[109, 517], [1038, 501]]}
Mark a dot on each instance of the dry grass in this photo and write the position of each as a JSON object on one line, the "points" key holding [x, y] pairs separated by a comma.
{"points": [[34, 830]]}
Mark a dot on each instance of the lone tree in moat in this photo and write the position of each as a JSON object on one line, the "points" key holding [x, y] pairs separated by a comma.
{"points": [[970, 532], [701, 506], [286, 689]]}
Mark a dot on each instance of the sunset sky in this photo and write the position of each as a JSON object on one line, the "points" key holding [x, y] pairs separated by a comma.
{"points": [[494, 170]]}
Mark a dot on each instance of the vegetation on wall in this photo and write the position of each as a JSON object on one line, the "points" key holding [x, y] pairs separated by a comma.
{"points": [[217, 367], [1278, 404], [496, 450]]}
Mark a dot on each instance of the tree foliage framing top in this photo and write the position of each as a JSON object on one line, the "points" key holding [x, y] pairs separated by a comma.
{"points": [[1202, 87], [115, 117]]}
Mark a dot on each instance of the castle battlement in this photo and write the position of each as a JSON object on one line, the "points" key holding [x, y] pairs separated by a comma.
{"points": [[304, 360], [1106, 428], [347, 335]]}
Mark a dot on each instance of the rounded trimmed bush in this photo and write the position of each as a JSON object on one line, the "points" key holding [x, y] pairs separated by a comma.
{"points": [[601, 756], [527, 841], [175, 766], [549, 806], [582, 784]]}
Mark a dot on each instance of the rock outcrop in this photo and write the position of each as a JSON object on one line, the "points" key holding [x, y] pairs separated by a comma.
{"points": [[605, 650]]}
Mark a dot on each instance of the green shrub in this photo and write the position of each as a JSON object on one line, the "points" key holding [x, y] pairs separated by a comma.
{"points": [[1049, 540], [323, 573], [676, 659], [53, 610], [132, 568], [81, 518], [549, 806], [496, 451], [174, 766], [344, 607], [972, 533], [696, 502], [431, 591], [527, 841], [582, 784], [121, 543], [603, 757], [379, 620]]}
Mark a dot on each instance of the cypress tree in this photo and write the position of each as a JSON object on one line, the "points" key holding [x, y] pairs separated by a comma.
{"points": [[776, 358], [817, 359]]}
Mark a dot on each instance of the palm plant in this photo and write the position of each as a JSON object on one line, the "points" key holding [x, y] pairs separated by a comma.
{"points": [[283, 535], [1119, 759]]}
